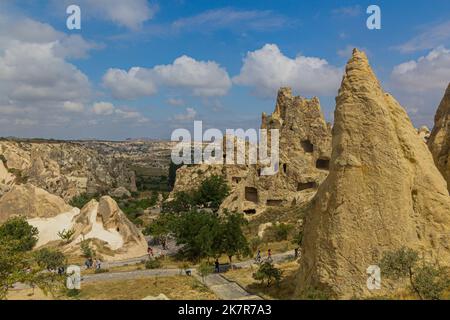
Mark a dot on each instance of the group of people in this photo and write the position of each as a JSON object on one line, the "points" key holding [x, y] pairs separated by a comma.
{"points": [[90, 263], [258, 256]]}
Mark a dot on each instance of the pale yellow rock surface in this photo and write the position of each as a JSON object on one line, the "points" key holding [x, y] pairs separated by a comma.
{"points": [[30, 202], [439, 141], [304, 154], [383, 192]]}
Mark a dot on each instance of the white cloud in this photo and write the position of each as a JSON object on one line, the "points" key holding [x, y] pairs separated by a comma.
{"points": [[203, 78], [420, 84], [428, 73], [137, 82], [226, 18], [189, 115], [103, 108], [200, 78], [429, 38], [267, 69], [38, 86], [73, 106]]}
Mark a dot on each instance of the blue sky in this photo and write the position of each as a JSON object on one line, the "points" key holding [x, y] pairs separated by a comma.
{"points": [[142, 68]]}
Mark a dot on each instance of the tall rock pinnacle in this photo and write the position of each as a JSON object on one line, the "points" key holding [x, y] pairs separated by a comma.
{"points": [[439, 141], [383, 191]]}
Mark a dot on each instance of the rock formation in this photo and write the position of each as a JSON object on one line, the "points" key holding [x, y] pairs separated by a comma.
{"points": [[104, 221], [304, 149], [65, 169], [383, 192], [439, 141], [30, 202]]}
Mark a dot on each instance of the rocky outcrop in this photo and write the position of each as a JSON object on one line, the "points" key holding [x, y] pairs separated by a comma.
{"points": [[105, 223], [439, 141], [30, 202], [65, 169], [383, 192], [304, 153]]}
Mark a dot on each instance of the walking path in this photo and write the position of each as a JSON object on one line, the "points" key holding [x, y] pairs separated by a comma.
{"points": [[223, 288]]}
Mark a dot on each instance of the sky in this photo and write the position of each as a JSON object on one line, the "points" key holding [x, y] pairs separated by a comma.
{"points": [[141, 68]]}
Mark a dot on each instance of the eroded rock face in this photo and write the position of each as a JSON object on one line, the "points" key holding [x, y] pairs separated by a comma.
{"points": [[30, 202], [65, 169], [383, 191], [439, 141], [104, 221], [304, 148]]}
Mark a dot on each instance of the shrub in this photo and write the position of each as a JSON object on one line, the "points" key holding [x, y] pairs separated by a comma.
{"points": [[86, 249], [19, 234], [267, 272], [81, 200], [204, 269], [50, 259], [101, 270], [427, 281], [66, 236], [153, 264]]}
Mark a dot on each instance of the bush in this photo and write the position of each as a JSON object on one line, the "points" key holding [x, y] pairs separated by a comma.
{"points": [[86, 249], [204, 269], [101, 270], [66, 235], [50, 259], [153, 264], [267, 272], [427, 281], [81, 200], [73, 293], [19, 234], [430, 282]]}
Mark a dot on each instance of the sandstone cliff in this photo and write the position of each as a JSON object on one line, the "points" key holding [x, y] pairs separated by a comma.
{"points": [[383, 191], [439, 141], [304, 149]]}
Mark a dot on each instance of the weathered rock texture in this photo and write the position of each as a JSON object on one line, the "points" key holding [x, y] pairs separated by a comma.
{"points": [[304, 149], [108, 226], [439, 141], [65, 169], [30, 202], [383, 191]]}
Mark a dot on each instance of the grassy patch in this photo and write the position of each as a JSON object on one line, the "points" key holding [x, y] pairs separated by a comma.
{"points": [[284, 290], [176, 288]]}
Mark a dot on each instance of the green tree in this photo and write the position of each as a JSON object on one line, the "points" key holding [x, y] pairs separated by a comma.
{"points": [[50, 259], [19, 233], [198, 232], [182, 202], [160, 229], [267, 272], [211, 193], [18, 263], [233, 242]]}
